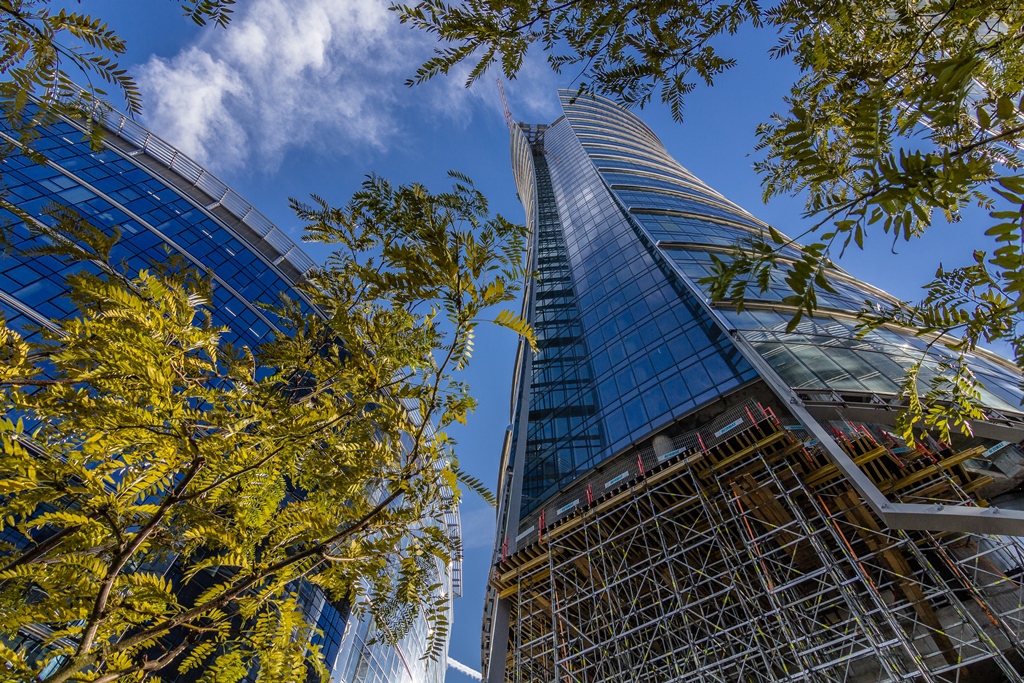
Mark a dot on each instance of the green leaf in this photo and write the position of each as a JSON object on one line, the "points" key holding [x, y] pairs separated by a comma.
{"points": [[511, 321]]}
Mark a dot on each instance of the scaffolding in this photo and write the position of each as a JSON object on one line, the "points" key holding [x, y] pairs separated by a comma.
{"points": [[752, 559]]}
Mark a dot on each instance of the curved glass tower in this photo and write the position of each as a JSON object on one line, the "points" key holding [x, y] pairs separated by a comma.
{"points": [[167, 205], [688, 493]]}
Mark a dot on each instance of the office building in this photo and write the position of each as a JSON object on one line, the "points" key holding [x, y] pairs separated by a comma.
{"points": [[166, 204], [688, 493]]}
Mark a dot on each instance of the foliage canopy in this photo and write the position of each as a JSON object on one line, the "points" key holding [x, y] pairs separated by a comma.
{"points": [[903, 112], [174, 494]]}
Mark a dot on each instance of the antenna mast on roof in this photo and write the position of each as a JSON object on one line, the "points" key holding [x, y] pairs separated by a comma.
{"points": [[504, 104]]}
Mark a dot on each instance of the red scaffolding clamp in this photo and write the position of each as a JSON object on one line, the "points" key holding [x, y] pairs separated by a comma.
{"points": [[837, 435], [867, 433], [640, 464], [540, 527], [590, 494], [750, 415], [922, 450]]}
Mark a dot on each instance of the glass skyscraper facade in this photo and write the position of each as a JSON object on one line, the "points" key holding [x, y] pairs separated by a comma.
{"points": [[691, 493], [167, 205]]}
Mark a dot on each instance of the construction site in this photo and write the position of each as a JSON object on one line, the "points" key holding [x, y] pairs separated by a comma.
{"points": [[739, 551]]}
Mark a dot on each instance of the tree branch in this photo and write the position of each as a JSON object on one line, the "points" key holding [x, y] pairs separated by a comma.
{"points": [[83, 656]]}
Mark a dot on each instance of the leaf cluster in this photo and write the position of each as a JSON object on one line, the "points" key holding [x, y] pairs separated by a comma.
{"points": [[629, 49], [203, 12]]}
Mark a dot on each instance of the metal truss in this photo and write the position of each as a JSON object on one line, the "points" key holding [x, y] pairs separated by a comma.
{"points": [[755, 560]]}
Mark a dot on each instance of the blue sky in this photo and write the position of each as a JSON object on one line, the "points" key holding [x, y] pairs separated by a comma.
{"points": [[307, 96]]}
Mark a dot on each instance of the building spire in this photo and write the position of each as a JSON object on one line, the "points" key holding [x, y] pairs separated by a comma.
{"points": [[504, 104]]}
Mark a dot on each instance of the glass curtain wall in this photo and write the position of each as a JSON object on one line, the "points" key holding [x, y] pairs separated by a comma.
{"points": [[689, 222], [634, 350]]}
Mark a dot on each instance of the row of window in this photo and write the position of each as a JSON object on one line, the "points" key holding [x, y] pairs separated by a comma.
{"points": [[38, 282], [651, 199], [606, 162], [643, 180], [596, 116], [849, 296], [827, 353], [606, 116], [146, 197], [674, 228]]}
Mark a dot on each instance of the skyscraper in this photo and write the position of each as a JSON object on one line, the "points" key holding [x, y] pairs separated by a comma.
{"points": [[166, 204], [689, 493]]}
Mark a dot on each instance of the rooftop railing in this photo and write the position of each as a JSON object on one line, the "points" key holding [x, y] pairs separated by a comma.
{"points": [[156, 148]]}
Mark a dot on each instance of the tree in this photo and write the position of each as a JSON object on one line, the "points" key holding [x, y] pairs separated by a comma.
{"points": [[135, 438], [904, 111]]}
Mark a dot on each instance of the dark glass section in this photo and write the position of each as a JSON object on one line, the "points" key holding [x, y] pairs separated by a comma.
{"points": [[563, 433], [329, 617]]}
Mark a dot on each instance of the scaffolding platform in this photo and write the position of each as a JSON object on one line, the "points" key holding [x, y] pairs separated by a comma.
{"points": [[751, 558]]}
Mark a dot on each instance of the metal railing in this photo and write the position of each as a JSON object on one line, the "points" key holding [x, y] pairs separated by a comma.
{"points": [[629, 468], [172, 158]]}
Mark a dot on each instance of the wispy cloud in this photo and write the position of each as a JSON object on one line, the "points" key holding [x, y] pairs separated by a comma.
{"points": [[531, 96], [323, 74]]}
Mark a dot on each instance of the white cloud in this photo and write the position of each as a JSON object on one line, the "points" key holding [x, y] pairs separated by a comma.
{"points": [[320, 74], [191, 109], [285, 73]]}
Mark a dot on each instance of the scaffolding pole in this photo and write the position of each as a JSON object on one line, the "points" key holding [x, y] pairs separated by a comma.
{"points": [[753, 559]]}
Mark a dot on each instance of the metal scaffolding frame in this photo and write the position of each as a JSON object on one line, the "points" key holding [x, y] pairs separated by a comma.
{"points": [[755, 560]]}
